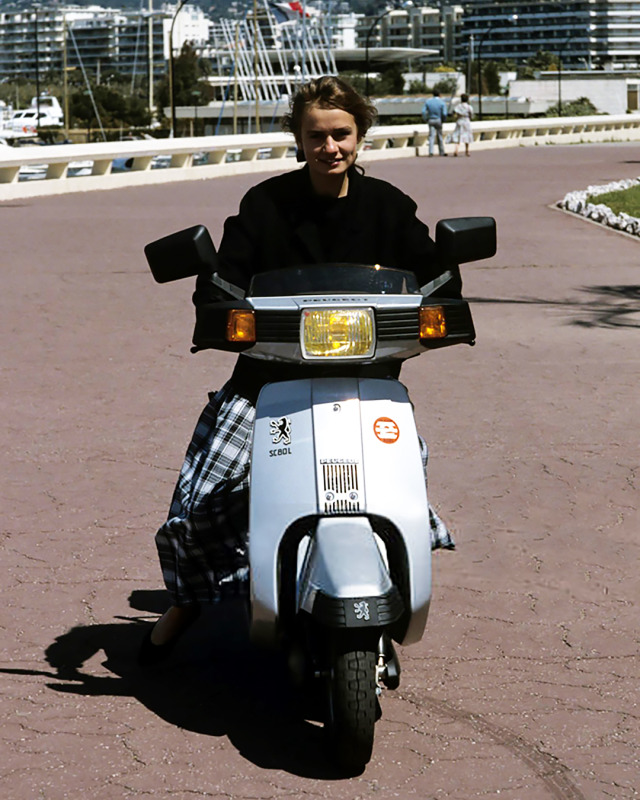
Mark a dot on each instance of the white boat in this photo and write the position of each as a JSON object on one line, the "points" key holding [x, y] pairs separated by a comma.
{"points": [[44, 112]]}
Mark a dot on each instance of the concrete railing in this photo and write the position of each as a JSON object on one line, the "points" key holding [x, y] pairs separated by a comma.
{"points": [[57, 169]]}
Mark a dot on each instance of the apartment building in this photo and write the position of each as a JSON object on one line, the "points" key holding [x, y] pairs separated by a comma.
{"points": [[614, 34], [95, 38], [436, 28], [28, 38], [586, 34]]}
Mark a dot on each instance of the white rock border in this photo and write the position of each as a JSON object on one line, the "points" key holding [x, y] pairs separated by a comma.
{"points": [[577, 203]]}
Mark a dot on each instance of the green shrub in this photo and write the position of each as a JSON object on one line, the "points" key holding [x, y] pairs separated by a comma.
{"points": [[582, 107]]}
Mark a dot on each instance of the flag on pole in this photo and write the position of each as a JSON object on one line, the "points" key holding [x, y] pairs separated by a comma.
{"points": [[285, 12]]}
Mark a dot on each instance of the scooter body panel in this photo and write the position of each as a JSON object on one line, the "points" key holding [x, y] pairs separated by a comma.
{"points": [[396, 487], [282, 490], [343, 449]]}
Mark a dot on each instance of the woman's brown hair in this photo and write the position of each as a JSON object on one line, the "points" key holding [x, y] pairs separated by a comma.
{"points": [[329, 92]]}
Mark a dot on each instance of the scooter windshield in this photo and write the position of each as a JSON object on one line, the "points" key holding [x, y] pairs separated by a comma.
{"points": [[327, 278]]}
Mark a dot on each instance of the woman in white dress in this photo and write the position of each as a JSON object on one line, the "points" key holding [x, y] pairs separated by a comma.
{"points": [[462, 133]]}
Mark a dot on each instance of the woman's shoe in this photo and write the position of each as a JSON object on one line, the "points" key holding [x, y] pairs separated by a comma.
{"points": [[151, 654]]}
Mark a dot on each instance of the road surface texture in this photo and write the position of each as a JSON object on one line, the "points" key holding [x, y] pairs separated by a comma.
{"points": [[526, 684]]}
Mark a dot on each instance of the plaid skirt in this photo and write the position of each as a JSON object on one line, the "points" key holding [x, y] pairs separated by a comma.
{"points": [[203, 544]]}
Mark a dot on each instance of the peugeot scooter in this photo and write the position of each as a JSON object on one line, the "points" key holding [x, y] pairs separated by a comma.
{"points": [[339, 544]]}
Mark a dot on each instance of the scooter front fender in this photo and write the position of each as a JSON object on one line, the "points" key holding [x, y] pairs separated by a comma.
{"points": [[345, 581]]}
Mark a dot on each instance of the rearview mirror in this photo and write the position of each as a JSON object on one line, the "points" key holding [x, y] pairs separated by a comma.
{"points": [[181, 255], [463, 239]]}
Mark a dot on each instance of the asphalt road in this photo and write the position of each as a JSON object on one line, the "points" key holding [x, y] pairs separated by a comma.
{"points": [[526, 684]]}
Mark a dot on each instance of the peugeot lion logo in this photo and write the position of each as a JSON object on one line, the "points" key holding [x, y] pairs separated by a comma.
{"points": [[280, 430]]}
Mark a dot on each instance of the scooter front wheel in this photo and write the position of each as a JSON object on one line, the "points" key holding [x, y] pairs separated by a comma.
{"points": [[352, 708]]}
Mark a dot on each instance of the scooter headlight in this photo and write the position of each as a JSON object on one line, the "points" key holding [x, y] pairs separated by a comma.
{"points": [[337, 333]]}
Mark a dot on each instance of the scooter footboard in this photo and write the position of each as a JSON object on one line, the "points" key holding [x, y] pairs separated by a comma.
{"points": [[345, 581]]}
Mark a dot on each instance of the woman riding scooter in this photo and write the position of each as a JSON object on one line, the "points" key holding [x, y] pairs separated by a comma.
{"points": [[327, 211]]}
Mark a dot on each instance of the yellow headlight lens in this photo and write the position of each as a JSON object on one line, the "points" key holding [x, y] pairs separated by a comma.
{"points": [[432, 323], [337, 332]]}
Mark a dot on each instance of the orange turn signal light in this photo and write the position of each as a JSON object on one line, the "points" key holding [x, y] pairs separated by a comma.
{"points": [[241, 325], [432, 322]]}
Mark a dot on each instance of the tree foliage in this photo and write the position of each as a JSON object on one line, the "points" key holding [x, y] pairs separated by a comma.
{"points": [[189, 86], [446, 85], [115, 109], [490, 77], [542, 61], [389, 82]]}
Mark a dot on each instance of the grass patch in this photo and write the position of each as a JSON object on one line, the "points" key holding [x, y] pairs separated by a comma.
{"points": [[627, 200]]}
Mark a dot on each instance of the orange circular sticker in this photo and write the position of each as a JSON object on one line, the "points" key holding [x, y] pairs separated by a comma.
{"points": [[386, 430]]}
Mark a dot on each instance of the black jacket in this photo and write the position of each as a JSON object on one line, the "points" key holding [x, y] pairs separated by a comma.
{"points": [[283, 223]]}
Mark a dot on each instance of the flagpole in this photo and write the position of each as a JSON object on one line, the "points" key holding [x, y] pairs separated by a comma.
{"points": [[329, 34], [255, 63], [235, 79], [304, 41]]}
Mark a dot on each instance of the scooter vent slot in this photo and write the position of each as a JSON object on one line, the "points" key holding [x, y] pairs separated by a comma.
{"points": [[341, 488]]}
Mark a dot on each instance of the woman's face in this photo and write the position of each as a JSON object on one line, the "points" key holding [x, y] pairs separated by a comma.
{"points": [[329, 139]]}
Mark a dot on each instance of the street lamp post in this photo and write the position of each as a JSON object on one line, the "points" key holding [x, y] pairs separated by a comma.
{"points": [[470, 63], [560, 51], [366, 48], [480, 43], [256, 60], [150, 56], [510, 18], [172, 102], [195, 94], [396, 5], [36, 8]]}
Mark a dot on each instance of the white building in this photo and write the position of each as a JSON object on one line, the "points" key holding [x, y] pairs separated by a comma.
{"points": [[614, 41], [593, 34], [96, 37], [610, 92]]}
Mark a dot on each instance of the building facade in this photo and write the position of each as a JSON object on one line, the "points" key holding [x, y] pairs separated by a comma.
{"points": [[97, 39], [615, 34], [29, 38], [584, 34], [437, 28]]}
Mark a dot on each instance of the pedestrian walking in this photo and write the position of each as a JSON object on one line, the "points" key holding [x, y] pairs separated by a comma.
{"points": [[434, 113], [462, 133]]}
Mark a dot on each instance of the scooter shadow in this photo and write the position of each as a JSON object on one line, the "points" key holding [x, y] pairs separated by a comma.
{"points": [[215, 683]]}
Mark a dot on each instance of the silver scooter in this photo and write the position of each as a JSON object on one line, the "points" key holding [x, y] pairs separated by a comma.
{"points": [[339, 535]]}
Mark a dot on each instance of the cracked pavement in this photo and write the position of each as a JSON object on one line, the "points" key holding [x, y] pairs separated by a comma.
{"points": [[526, 683]]}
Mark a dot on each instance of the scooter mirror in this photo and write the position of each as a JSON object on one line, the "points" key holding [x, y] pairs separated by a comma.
{"points": [[464, 239], [181, 255]]}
